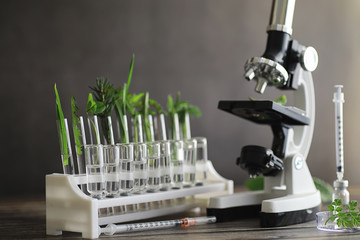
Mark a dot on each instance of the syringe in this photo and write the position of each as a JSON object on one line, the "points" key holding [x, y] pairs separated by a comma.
{"points": [[133, 227], [338, 101]]}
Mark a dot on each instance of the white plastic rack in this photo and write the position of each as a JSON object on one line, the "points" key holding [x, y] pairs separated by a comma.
{"points": [[68, 208]]}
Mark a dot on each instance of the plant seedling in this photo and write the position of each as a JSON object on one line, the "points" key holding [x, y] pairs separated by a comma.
{"points": [[346, 216], [61, 129]]}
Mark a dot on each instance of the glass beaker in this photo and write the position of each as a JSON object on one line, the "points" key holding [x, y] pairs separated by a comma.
{"points": [[140, 167], [112, 177], [190, 146], [201, 160], [153, 164], [177, 163], [126, 159], [95, 169]]}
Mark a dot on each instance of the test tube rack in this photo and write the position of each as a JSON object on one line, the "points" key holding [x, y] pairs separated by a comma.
{"points": [[68, 208]]}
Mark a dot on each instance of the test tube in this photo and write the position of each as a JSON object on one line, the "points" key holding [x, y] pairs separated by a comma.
{"points": [[165, 163], [160, 136], [190, 154], [95, 169], [80, 156], [126, 159], [111, 132], [140, 167], [201, 160], [190, 147], [112, 170], [177, 156], [201, 154], [94, 131], [153, 166], [67, 159]]}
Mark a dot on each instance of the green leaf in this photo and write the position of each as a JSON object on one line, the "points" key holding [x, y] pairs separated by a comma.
{"points": [[91, 105], [130, 73], [331, 208], [76, 122], [281, 100], [156, 105], [337, 202], [255, 184], [338, 209], [332, 218], [353, 203], [145, 114], [100, 108], [325, 189], [61, 129]]}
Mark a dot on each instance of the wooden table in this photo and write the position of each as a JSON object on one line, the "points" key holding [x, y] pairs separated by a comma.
{"points": [[24, 218]]}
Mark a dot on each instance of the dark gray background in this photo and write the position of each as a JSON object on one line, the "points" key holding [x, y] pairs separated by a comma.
{"points": [[196, 47]]}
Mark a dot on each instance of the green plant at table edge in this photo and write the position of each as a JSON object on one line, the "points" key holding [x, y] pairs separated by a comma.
{"points": [[346, 216], [61, 129]]}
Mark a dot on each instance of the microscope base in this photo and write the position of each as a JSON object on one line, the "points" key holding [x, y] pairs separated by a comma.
{"points": [[288, 218], [274, 211]]}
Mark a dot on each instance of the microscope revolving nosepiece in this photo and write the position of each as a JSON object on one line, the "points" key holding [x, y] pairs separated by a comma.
{"points": [[265, 72]]}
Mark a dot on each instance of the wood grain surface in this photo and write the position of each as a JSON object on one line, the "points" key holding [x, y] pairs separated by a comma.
{"points": [[24, 218]]}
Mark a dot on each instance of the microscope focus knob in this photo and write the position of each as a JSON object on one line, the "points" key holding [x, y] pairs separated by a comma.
{"points": [[309, 59]]}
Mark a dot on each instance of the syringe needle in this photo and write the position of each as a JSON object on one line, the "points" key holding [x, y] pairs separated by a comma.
{"points": [[338, 101], [134, 227]]}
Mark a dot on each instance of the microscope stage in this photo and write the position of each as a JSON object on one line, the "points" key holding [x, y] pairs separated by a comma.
{"points": [[265, 112]]}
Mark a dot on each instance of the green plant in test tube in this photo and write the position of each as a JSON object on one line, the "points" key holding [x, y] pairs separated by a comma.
{"points": [[181, 108], [76, 122], [121, 103], [105, 96], [61, 129], [94, 108]]}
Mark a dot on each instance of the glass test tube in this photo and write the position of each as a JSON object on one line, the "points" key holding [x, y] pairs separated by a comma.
{"points": [[67, 158], [190, 146], [80, 155], [94, 131], [201, 160], [177, 156], [140, 167], [111, 167], [95, 169], [153, 166], [126, 159], [160, 136], [177, 163], [165, 163]]}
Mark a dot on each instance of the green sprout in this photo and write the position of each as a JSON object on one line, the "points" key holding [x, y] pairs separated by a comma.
{"points": [[76, 122], [61, 129], [181, 108], [104, 95], [94, 108], [346, 216]]}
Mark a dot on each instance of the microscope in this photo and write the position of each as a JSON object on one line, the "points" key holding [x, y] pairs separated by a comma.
{"points": [[289, 195]]}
